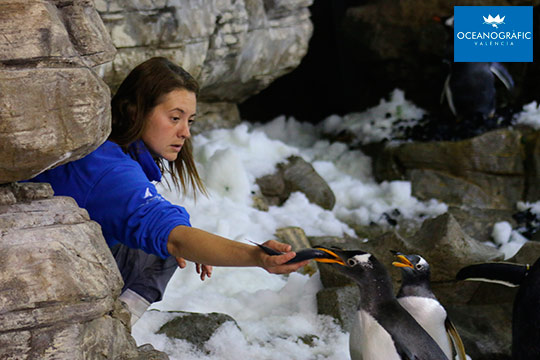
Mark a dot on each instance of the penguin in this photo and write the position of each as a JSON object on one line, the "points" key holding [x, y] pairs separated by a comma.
{"points": [[383, 329], [416, 296], [470, 87], [526, 307]]}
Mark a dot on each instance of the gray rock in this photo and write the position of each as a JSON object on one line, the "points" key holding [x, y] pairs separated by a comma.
{"points": [[58, 282], [478, 223], [442, 241], [296, 175], [341, 303], [486, 171], [234, 48], [299, 175], [480, 190], [195, 328], [486, 330], [64, 111]]}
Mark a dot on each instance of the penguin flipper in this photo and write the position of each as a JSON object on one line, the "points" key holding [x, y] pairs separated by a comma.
{"points": [[502, 74], [448, 93], [507, 274], [454, 337]]}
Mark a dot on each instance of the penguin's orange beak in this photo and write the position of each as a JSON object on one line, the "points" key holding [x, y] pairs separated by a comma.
{"points": [[404, 262], [332, 259]]}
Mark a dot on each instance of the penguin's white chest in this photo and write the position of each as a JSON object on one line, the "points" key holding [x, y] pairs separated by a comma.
{"points": [[431, 315], [370, 341]]}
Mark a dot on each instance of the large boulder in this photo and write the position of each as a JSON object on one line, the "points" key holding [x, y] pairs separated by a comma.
{"points": [[59, 283], [486, 171], [296, 174], [54, 108], [233, 48]]}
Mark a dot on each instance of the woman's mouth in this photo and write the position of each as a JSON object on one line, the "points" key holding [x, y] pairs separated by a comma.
{"points": [[177, 147]]}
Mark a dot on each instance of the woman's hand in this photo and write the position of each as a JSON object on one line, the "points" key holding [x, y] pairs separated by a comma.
{"points": [[275, 264], [204, 270]]}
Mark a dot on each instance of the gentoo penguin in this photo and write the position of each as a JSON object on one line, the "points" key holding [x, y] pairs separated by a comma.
{"points": [[526, 310], [383, 329], [470, 87], [416, 297]]}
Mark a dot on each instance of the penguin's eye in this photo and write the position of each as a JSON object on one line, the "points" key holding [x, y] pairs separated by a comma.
{"points": [[352, 262]]}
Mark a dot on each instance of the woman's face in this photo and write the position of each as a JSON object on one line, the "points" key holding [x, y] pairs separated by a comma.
{"points": [[167, 125]]}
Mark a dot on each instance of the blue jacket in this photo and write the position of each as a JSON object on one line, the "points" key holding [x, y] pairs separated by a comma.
{"points": [[118, 193]]}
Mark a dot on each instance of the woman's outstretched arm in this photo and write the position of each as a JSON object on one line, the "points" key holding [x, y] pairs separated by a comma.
{"points": [[206, 248]]}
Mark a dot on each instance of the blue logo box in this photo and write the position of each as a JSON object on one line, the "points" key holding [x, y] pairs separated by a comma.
{"points": [[493, 33]]}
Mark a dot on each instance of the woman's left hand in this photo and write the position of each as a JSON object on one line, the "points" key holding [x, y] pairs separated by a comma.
{"points": [[204, 270]]}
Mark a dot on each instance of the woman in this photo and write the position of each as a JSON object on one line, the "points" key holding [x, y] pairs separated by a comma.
{"points": [[152, 112]]}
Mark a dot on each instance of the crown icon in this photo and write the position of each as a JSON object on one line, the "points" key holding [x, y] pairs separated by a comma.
{"points": [[494, 21]]}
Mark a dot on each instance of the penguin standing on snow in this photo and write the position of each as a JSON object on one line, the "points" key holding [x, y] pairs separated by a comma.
{"points": [[416, 297], [383, 329], [526, 310]]}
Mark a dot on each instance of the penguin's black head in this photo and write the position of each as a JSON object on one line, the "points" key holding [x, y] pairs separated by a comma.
{"points": [[349, 261], [412, 265]]}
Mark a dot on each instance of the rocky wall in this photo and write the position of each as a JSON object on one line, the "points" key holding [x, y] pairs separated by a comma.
{"points": [[233, 48]]}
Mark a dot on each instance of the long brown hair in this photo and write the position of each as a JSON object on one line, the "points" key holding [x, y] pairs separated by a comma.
{"points": [[143, 89]]}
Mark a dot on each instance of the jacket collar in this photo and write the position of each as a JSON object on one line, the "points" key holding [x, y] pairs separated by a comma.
{"points": [[140, 153]]}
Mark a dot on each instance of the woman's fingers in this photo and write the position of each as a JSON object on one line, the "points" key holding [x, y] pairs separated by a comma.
{"points": [[204, 270], [181, 262]]}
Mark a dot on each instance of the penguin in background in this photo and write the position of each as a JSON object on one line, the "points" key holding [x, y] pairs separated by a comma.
{"points": [[383, 329], [416, 296], [470, 88], [526, 308]]}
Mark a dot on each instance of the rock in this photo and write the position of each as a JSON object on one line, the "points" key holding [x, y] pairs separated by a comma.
{"points": [[486, 171], [195, 328], [64, 111], [339, 302], [294, 236], [299, 175], [87, 32], [528, 253], [147, 352], [478, 223], [484, 329], [215, 115], [442, 241], [532, 165], [296, 175], [272, 187], [58, 281], [485, 191], [234, 48]]}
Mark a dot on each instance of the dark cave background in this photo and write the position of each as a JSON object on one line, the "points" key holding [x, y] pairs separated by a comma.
{"points": [[361, 50]]}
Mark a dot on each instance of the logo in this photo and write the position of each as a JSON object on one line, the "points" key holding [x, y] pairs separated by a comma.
{"points": [[147, 193], [481, 37], [494, 21]]}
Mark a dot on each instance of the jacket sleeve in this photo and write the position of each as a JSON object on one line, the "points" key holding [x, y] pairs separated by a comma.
{"points": [[131, 211]]}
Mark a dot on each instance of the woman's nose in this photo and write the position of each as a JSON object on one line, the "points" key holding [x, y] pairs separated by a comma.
{"points": [[183, 130]]}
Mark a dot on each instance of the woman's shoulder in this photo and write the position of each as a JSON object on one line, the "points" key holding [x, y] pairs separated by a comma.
{"points": [[107, 157]]}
